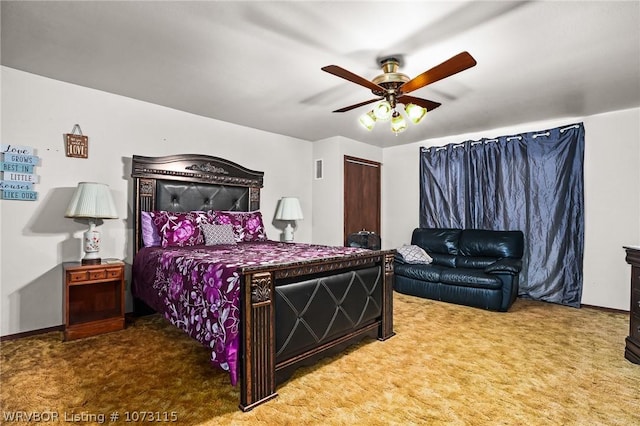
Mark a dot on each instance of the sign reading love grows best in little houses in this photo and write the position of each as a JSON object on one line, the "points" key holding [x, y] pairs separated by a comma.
{"points": [[18, 165]]}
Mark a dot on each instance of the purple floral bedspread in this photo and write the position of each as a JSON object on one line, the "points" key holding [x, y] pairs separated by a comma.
{"points": [[197, 288]]}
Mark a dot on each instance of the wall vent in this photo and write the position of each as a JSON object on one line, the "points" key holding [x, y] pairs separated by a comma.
{"points": [[318, 169]]}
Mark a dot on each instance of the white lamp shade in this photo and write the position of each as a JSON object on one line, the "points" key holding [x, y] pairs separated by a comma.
{"points": [[92, 200], [289, 209]]}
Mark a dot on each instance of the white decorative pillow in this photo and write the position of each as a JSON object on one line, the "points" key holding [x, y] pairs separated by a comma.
{"points": [[218, 234], [414, 254]]}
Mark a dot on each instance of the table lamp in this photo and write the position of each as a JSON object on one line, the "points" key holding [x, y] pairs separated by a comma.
{"points": [[92, 201], [289, 210]]}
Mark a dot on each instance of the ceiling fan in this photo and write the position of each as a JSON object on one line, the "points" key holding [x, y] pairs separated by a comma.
{"points": [[392, 87]]}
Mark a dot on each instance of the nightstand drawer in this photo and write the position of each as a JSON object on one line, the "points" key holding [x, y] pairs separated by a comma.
{"points": [[76, 276], [114, 272], [97, 274]]}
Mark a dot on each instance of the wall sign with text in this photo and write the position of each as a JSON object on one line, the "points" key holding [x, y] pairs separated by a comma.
{"points": [[76, 145], [18, 173]]}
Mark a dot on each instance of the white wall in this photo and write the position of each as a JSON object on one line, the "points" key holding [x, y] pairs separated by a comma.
{"points": [[36, 238], [612, 200], [328, 193], [612, 197]]}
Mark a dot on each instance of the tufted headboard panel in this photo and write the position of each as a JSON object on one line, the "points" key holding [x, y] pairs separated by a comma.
{"points": [[182, 196], [191, 182]]}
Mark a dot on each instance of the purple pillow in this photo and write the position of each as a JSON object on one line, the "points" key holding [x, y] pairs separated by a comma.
{"points": [[180, 229], [247, 226], [150, 235], [254, 227]]}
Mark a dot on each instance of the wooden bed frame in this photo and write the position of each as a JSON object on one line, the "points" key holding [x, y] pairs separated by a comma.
{"points": [[238, 188]]}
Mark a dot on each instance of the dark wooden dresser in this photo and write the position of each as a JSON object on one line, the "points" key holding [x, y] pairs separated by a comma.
{"points": [[632, 350]]}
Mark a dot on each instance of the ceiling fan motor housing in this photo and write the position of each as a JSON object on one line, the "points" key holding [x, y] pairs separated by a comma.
{"points": [[391, 80]]}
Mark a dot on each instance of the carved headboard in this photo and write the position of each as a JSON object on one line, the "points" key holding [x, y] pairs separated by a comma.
{"points": [[188, 182]]}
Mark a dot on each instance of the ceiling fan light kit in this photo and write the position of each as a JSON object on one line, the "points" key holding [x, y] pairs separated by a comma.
{"points": [[391, 88], [398, 123], [368, 120], [415, 113], [382, 111]]}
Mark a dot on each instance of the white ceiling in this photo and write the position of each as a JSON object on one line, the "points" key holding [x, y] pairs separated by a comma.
{"points": [[257, 63]]}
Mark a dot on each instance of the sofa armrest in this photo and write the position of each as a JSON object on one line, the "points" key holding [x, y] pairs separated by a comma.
{"points": [[504, 265]]}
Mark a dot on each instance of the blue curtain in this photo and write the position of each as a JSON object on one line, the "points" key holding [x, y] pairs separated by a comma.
{"points": [[531, 182]]}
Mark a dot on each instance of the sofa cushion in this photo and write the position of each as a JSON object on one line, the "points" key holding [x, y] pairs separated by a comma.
{"points": [[470, 278], [482, 242], [437, 240], [421, 272], [476, 262], [448, 260]]}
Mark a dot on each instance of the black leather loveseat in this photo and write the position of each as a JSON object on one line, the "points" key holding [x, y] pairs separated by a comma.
{"points": [[471, 267]]}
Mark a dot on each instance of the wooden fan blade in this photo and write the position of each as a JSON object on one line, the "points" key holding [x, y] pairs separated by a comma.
{"points": [[348, 75], [350, 107], [452, 66], [425, 103]]}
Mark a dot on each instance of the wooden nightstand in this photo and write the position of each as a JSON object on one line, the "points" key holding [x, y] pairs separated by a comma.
{"points": [[94, 298]]}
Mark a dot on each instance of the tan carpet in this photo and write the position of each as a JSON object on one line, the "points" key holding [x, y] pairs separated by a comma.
{"points": [[538, 364]]}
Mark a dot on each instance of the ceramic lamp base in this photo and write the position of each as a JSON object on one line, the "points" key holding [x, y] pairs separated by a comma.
{"points": [[288, 233], [91, 245]]}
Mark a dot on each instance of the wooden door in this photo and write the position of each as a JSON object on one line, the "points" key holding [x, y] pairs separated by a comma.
{"points": [[361, 196]]}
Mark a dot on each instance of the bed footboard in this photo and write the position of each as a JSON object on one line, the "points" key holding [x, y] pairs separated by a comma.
{"points": [[354, 298]]}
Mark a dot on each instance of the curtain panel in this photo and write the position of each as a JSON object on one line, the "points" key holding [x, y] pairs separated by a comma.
{"points": [[531, 182]]}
